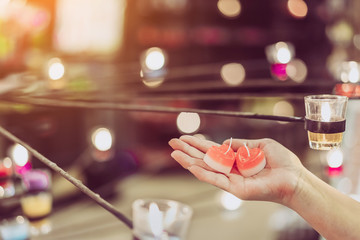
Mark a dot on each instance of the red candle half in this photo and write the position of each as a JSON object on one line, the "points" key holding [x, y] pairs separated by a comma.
{"points": [[220, 158], [250, 161]]}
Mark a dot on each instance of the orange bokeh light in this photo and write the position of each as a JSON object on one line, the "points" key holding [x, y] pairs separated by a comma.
{"points": [[297, 8]]}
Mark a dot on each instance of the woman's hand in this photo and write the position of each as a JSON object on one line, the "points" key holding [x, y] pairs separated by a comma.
{"points": [[277, 182]]}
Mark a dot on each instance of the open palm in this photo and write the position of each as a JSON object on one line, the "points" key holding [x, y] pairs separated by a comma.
{"points": [[276, 182]]}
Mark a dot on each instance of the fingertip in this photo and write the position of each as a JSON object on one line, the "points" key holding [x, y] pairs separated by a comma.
{"points": [[177, 155], [171, 142], [175, 143], [185, 137], [174, 154], [227, 141]]}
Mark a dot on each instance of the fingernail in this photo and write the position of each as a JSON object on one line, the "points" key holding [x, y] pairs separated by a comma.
{"points": [[171, 141]]}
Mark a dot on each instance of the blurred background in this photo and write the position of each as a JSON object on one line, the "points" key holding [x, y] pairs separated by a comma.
{"points": [[234, 55]]}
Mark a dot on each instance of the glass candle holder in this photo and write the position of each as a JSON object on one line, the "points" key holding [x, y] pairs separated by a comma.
{"points": [[160, 219], [40, 227], [325, 120], [37, 200], [16, 228], [7, 188]]}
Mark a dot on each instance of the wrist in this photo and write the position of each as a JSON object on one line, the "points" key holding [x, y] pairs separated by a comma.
{"points": [[296, 186]]}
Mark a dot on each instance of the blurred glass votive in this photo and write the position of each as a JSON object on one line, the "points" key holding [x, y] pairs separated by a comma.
{"points": [[40, 227], [16, 228], [325, 120], [7, 188], [160, 219], [37, 200]]}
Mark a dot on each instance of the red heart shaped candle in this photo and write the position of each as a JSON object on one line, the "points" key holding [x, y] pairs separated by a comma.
{"points": [[250, 161], [220, 158]]}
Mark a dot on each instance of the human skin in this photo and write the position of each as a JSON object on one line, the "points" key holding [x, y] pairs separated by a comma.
{"points": [[284, 180]]}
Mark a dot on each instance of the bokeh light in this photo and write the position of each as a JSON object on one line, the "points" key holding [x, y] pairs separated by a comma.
{"points": [[154, 59], [153, 82], [102, 139], [354, 72], [283, 108], [7, 162], [345, 89], [93, 27], [335, 59], [3, 3], [335, 172], [278, 70], [188, 122], [233, 73], [229, 8], [5, 168], [56, 69], [335, 158], [349, 72], [283, 55], [280, 52], [297, 8], [297, 70], [356, 41], [340, 33], [230, 201], [284, 218], [152, 79], [19, 154], [344, 185]]}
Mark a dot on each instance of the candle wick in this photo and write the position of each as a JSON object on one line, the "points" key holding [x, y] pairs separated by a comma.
{"points": [[247, 149], [229, 146]]}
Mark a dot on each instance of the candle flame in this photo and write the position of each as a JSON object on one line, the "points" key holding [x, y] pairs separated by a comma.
{"points": [[247, 149], [155, 220], [229, 146], [325, 112]]}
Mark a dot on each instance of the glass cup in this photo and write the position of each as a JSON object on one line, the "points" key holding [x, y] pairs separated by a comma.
{"points": [[7, 188], [37, 200], [160, 219], [14, 228], [325, 120]]}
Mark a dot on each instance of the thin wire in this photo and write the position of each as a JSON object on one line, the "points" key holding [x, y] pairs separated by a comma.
{"points": [[149, 108], [96, 197]]}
